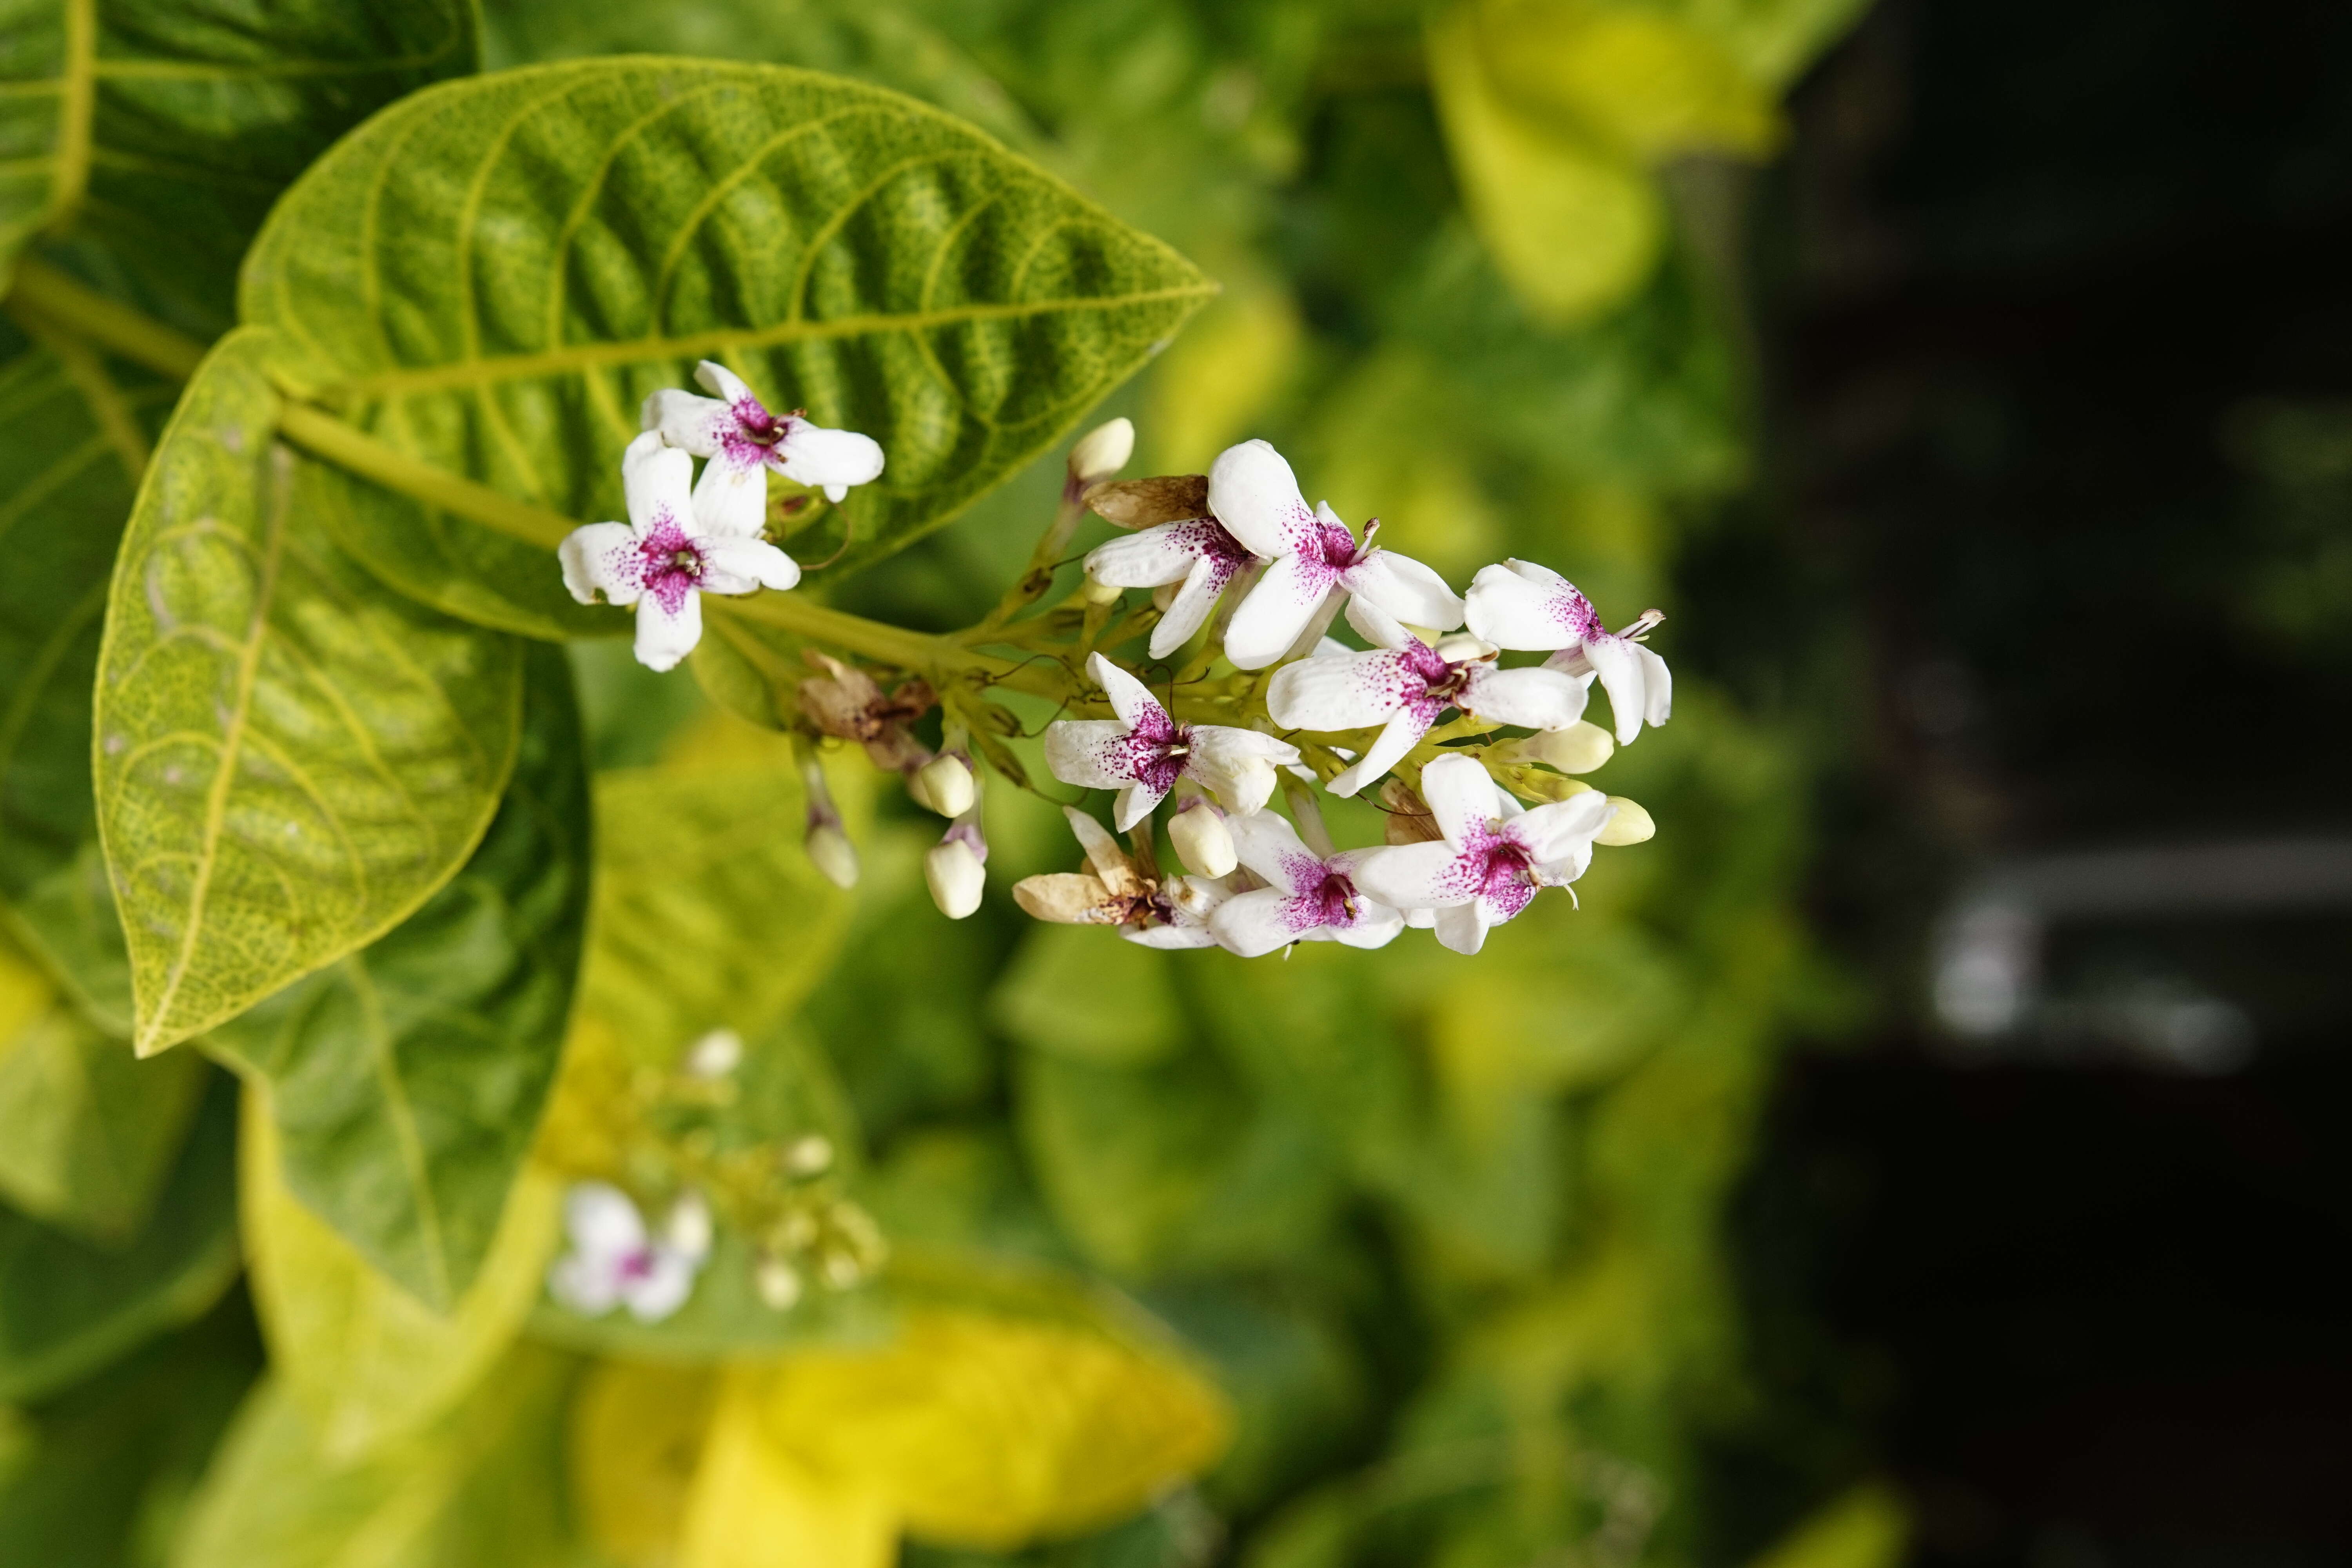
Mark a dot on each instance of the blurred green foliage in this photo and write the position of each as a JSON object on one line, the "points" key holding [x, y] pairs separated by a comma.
{"points": [[1449, 1236]]}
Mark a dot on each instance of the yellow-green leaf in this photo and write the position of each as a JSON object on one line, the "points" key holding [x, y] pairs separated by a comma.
{"points": [[369, 1363], [1635, 79], [637, 1438], [755, 1504], [492, 275], [292, 758]]}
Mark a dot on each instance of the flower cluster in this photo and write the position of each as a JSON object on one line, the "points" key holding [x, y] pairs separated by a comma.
{"points": [[1240, 691]]}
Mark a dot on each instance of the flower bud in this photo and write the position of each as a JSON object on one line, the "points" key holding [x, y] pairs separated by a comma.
{"points": [[688, 1229], [779, 1283], [1095, 592], [715, 1055], [956, 877], [1631, 825], [1202, 840], [1102, 452], [830, 850], [1461, 647], [944, 784], [1578, 749], [809, 1156]]}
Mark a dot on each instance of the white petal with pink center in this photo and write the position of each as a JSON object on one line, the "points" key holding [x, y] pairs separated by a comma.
{"points": [[1143, 751], [1197, 552], [1307, 896], [616, 1261], [1519, 604], [742, 441], [1493, 860], [662, 561], [1314, 556], [1405, 688]]}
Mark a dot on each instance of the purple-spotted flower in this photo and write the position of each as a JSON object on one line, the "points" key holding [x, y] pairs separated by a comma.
{"points": [[1307, 896], [1404, 687], [1143, 751], [1197, 552], [665, 557], [616, 1261], [742, 441], [1493, 860], [1114, 890], [1520, 605], [1314, 558]]}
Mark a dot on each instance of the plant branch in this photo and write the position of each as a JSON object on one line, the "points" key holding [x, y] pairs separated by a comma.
{"points": [[60, 297]]}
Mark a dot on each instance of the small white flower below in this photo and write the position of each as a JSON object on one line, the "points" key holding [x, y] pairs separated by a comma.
{"points": [[616, 1261]]}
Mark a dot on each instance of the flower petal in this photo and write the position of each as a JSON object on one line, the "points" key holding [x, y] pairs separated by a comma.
{"points": [[1310, 637], [730, 499], [1461, 796], [1254, 493], [1657, 687], [601, 556], [1416, 876], [1538, 697], [1111, 866], [658, 481], [1171, 937], [1238, 765], [1092, 754], [665, 636], [1376, 625], [829, 460], [1403, 731], [691, 423], [1405, 589], [754, 558], [1135, 803], [1251, 925], [1621, 677], [1463, 927], [1277, 608], [1130, 699], [601, 1221], [1376, 925], [1551, 832], [663, 1289], [1520, 605], [1167, 553], [1190, 607], [1270, 847], [1066, 898], [1343, 690], [589, 1286], [725, 384]]}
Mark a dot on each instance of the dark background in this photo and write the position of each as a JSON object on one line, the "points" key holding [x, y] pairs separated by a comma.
{"points": [[2056, 321]]}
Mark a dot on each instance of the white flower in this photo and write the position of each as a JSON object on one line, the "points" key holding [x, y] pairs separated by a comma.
{"points": [[1197, 552], [1493, 860], [1307, 896], [1143, 751], [1315, 558], [742, 441], [615, 1262], [1115, 891], [1520, 605], [1404, 687], [664, 558]]}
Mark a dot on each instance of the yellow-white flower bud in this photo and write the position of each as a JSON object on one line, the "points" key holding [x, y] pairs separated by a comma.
{"points": [[830, 850], [715, 1055], [1578, 749], [780, 1283], [1202, 841], [956, 877], [944, 784], [1095, 592], [689, 1228], [1102, 452], [1631, 825]]}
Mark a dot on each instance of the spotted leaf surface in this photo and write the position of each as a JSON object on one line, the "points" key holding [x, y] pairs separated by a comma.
{"points": [[291, 757], [492, 275]]}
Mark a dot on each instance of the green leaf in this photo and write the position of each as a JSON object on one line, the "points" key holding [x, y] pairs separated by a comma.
{"points": [[72, 443], [163, 129], [483, 1488], [88, 1131], [493, 275], [408, 1079], [291, 757], [372, 1364], [67, 1308]]}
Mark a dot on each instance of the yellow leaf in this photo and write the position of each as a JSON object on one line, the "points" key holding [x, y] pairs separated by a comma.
{"points": [[755, 1505], [1218, 379], [1573, 225], [367, 1360], [637, 1439], [25, 995], [1635, 79], [988, 1430]]}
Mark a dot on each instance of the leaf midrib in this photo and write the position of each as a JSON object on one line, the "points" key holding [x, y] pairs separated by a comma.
{"points": [[576, 357]]}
